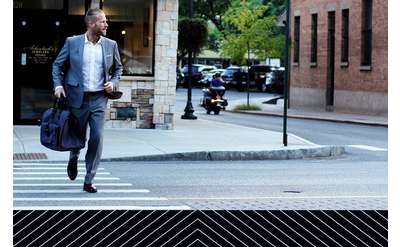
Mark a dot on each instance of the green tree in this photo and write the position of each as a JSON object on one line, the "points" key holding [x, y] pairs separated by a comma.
{"points": [[251, 31]]}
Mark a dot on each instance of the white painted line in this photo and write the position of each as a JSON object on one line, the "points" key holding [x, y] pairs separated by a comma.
{"points": [[53, 173], [93, 207], [61, 178], [369, 148], [77, 191], [302, 139], [51, 168], [274, 197], [91, 199], [70, 185], [46, 164]]}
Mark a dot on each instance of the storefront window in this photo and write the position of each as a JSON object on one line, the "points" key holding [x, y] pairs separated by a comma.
{"points": [[131, 24]]}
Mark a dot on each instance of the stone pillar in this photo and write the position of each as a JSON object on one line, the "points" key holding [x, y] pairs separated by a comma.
{"points": [[166, 44]]}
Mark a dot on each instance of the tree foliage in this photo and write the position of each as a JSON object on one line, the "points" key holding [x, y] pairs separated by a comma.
{"points": [[193, 35]]}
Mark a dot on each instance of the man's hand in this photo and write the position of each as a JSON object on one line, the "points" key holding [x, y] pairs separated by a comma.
{"points": [[59, 91], [109, 87]]}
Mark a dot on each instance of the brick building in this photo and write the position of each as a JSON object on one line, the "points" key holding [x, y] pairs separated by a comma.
{"points": [[147, 35], [339, 56]]}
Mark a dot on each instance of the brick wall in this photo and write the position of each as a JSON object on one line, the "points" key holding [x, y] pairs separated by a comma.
{"points": [[308, 84]]}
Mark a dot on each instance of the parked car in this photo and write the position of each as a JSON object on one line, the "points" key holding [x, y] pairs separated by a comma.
{"points": [[197, 72], [274, 82], [227, 76], [179, 77], [208, 77], [257, 75]]}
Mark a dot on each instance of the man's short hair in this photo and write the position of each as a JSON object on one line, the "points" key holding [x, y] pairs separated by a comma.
{"points": [[91, 15]]}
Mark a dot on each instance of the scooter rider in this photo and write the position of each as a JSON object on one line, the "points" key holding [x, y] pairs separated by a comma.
{"points": [[217, 84]]}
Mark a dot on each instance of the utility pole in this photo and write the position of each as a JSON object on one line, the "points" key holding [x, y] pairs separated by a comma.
{"points": [[287, 68]]}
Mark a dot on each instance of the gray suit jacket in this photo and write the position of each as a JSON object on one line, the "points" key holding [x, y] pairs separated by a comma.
{"points": [[67, 67]]}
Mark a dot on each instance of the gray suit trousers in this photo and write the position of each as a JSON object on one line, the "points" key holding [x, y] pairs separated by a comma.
{"points": [[92, 113]]}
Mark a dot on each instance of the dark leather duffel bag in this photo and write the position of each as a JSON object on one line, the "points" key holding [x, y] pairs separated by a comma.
{"points": [[60, 129]]}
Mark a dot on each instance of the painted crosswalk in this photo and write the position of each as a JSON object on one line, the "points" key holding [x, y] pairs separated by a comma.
{"points": [[44, 186]]}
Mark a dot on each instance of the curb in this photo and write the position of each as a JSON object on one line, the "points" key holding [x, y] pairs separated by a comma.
{"points": [[278, 154], [312, 118]]}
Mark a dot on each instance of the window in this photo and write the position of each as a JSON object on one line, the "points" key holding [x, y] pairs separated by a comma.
{"points": [[366, 33], [131, 24], [345, 36], [314, 37], [296, 52]]}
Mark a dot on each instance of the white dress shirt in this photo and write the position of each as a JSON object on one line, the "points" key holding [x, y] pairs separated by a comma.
{"points": [[92, 66]]}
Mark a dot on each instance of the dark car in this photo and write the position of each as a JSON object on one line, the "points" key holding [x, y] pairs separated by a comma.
{"points": [[198, 71], [274, 82], [179, 77], [256, 77], [228, 74]]}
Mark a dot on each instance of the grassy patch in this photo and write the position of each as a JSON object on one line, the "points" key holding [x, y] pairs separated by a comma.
{"points": [[245, 107]]}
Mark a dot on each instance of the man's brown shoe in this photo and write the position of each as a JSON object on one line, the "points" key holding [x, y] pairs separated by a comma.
{"points": [[90, 188], [72, 169]]}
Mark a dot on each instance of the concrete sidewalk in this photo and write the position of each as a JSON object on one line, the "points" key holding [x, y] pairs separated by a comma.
{"points": [[304, 113], [190, 140]]}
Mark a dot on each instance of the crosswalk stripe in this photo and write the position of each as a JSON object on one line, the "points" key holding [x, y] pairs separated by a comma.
{"points": [[61, 178], [94, 207], [53, 173], [45, 164], [92, 199], [369, 148], [76, 191], [72, 185], [51, 168]]}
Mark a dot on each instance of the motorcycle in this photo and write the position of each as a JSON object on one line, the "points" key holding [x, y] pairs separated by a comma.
{"points": [[213, 99]]}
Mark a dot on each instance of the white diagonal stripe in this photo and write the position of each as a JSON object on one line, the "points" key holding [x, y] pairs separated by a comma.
{"points": [[29, 223], [52, 173], [117, 229], [82, 224], [171, 228], [367, 225], [262, 227], [317, 228], [330, 228], [210, 228], [275, 227], [302, 227], [374, 220], [63, 229], [71, 185], [357, 227], [72, 191], [276, 217], [247, 226], [344, 227], [177, 233], [131, 229], [221, 226], [197, 230], [381, 215], [146, 227], [98, 222], [15, 224], [198, 240], [50, 228], [92, 199], [369, 148], [186, 236], [61, 178], [105, 227], [37, 228]]}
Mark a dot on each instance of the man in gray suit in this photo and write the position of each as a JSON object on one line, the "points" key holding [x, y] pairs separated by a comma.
{"points": [[87, 67]]}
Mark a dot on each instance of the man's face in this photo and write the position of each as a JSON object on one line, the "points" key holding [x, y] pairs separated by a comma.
{"points": [[100, 26]]}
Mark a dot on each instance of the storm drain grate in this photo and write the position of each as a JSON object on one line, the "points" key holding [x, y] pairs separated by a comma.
{"points": [[30, 156]]}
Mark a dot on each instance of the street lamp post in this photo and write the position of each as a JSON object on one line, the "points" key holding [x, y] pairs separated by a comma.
{"points": [[189, 107], [287, 68]]}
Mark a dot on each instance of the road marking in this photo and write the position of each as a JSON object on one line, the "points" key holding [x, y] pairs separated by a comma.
{"points": [[369, 148], [53, 173], [71, 185], [93, 207], [92, 199], [45, 164], [61, 178], [51, 168], [76, 191], [274, 197]]}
